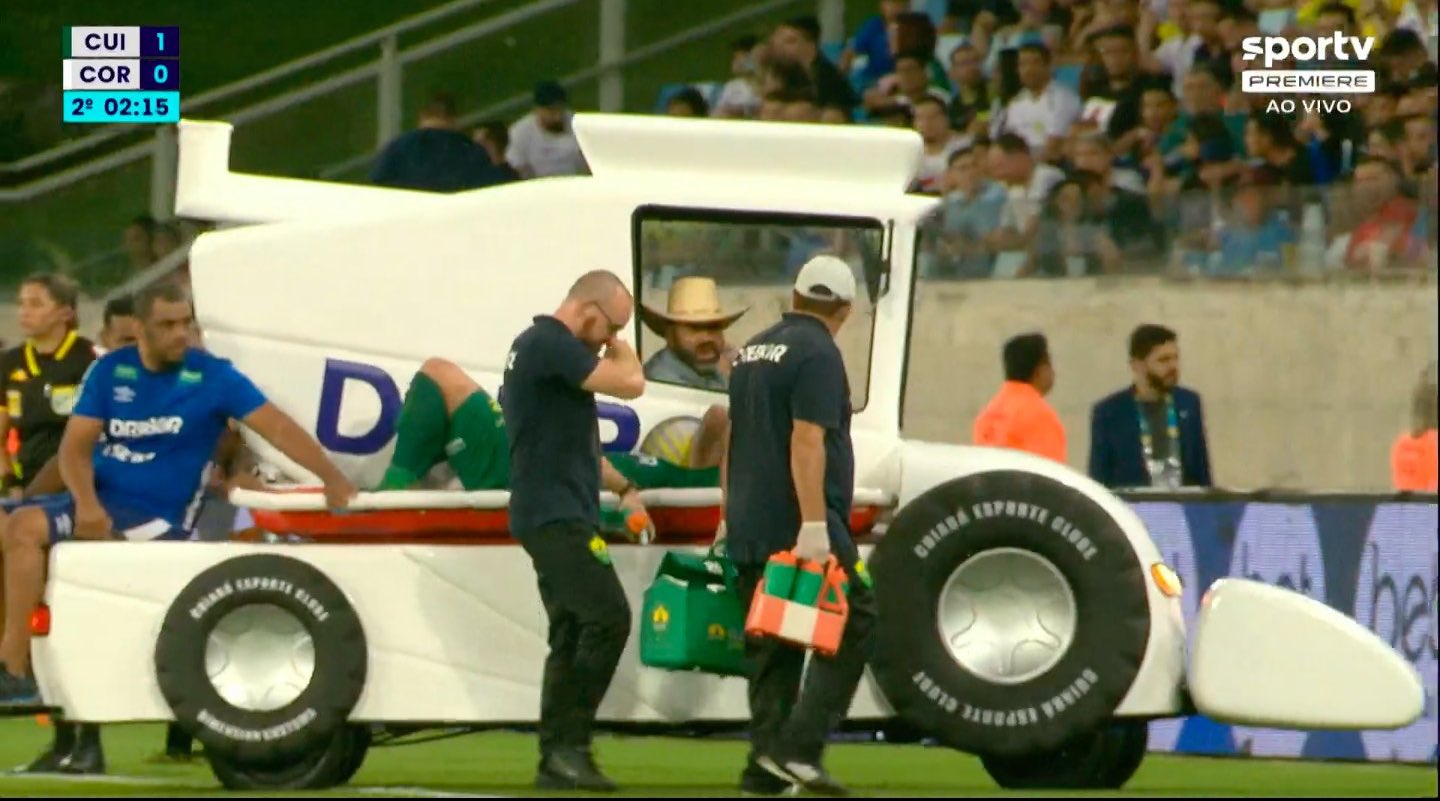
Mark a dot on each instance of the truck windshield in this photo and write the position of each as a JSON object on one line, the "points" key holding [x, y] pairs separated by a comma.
{"points": [[746, 264]]}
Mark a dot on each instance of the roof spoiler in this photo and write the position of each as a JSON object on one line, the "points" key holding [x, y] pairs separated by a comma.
{"points": [[206, 189]]}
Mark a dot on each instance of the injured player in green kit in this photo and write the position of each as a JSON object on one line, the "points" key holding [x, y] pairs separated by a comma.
{"points": [[448, 417]]}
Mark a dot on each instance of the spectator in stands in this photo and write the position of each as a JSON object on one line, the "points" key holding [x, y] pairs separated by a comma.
{"points": [[138, 241], [1256, 235], [1043, 111], [688, 102], [940, 142], [1152, 433], [1070, 242], [1037, 25], [1160, 132], [872, 41], [542, 143], [1027, 185], [1403, 58], [120, 325], [1270, 140], [1093, 152], [914, 32], [969, 213], [1117, 199], [798, 41], [1204, 45], [1102, 15], [907, 86], [1018, 417], [740, 96], [835, 115], [1204, 94], [1384, 238], [1413, 457], [802, 108], [165, 239], [494, 136], [436, 156], [970, 103], [1113, 85], [1418, 150]]}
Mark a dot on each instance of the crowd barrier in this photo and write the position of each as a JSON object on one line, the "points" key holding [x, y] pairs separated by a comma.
{"points": [[1371, 557]]}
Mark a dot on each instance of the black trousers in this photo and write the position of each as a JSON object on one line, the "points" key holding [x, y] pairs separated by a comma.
{"points": [[786, 721], [589, 624]]}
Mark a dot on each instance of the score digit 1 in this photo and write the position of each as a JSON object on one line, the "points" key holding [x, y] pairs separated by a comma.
{"points": [[160, 41]]}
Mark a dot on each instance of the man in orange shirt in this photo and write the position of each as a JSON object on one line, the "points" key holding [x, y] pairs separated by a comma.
{"points": [[1018, 416], [1413, 458]]}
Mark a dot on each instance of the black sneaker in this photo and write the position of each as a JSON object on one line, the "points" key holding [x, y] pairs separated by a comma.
{"points": [[61, 744], [811, 777], [760, 784], [572, 769], [87, 758], [17, 690]]}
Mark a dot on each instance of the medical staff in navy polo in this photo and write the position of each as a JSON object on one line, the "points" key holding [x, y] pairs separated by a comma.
{"points": [[556, 472], [789, 480]]}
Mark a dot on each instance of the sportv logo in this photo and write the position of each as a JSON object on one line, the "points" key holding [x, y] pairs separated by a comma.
{"points": [[1333, 49]]}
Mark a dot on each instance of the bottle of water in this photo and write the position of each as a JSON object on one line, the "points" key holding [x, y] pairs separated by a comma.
{"points": [[1312, 240]]}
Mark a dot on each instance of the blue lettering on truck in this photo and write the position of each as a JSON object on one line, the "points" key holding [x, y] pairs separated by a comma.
{"points": [[339, 373]]}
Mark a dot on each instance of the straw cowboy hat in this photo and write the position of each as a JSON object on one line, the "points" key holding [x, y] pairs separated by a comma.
{"points": [[694, 300]]}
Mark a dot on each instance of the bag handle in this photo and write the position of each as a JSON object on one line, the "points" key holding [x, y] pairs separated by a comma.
{"points": [[838, 580]]}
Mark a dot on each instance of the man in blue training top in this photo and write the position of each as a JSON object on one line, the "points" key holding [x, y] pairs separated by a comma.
{"points": [[134, 458]]}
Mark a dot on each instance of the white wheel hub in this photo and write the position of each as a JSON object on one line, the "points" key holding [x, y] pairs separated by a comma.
{"points": [[1007, 615], [259, 657]]}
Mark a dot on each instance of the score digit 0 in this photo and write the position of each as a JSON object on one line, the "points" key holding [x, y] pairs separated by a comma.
{"points": [[159, 74]]}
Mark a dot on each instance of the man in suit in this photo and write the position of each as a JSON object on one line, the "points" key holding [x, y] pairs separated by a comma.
{"points": [[1151, 433]]}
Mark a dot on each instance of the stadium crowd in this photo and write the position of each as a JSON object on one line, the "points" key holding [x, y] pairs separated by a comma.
{"points": [[1073, 137]]}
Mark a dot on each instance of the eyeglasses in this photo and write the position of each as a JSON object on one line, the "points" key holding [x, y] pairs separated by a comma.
{"points": [[609, 321]]}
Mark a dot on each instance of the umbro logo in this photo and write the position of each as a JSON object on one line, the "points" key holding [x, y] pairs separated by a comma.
{"points": [[124, 394]]}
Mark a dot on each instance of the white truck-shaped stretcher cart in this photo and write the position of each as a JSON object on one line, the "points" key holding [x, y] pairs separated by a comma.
{"points": [[1026, 615]]}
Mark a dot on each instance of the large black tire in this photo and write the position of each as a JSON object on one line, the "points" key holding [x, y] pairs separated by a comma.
{"points": [[1126, 742], [945, 527], [299, 729], [1104, 759], [330, 766]]}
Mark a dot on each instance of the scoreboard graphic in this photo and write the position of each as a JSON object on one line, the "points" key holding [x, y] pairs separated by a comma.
{"points": [[122, 74]]}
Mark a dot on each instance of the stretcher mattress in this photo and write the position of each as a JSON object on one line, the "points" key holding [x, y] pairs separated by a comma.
{"points": [[455, 517]]}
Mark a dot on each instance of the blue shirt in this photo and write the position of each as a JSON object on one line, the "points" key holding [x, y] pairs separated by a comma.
{"points": [[872, 40], [161, 429], [554, 433]]}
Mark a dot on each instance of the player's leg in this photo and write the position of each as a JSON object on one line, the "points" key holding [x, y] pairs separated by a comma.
{"points": [[477, 448], [26, 539], [436, 390], [709, 444], [648, 472]]}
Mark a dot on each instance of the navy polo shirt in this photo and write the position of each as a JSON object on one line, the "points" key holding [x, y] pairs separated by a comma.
{"points": [[551, 424], [791, 371]]}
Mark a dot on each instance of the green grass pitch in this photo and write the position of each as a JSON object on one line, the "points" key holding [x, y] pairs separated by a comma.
{"points": [[503, 764]]}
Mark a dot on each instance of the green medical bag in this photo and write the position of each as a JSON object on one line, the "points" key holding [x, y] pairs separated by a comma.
{"points": [[694, 618]]}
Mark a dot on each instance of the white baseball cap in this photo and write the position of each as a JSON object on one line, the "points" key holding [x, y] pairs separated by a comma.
{"points": [[826, 278]]}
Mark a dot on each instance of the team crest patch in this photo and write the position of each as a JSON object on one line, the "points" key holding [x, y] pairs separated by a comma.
{"points": [[62, 400], [19, 375], [600, 550], [862, 572], [190, 377], [126, 372]]}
